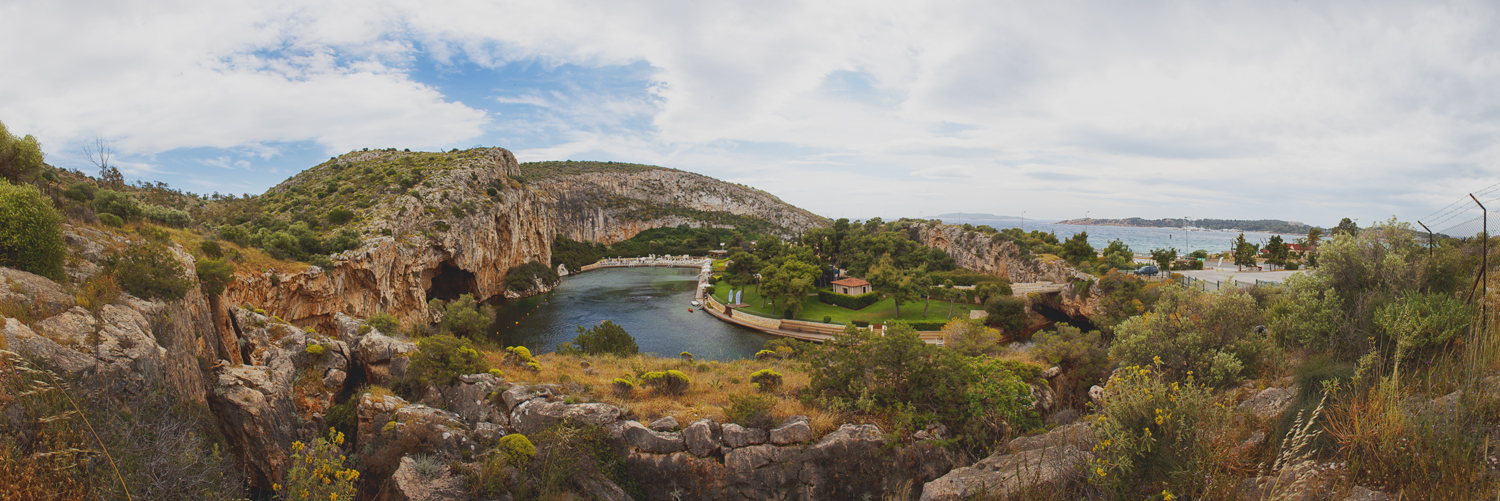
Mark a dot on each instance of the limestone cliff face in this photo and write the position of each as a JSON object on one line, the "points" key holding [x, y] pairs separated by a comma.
{"points": [[614, 206], [445, 239], [977, 251]]}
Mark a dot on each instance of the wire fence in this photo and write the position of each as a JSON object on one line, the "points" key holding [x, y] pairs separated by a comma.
{"points": [[1216, 285]]}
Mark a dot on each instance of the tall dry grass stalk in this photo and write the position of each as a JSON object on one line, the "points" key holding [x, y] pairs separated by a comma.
{"points": [[41, 385]]}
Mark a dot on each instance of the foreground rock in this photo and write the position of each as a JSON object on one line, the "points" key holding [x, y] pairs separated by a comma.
{"points": [[1036, 464]]}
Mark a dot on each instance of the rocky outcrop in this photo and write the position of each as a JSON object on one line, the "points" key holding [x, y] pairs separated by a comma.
{"points": [[434, 249], [581, 216], [1049, 461], [980, 252], [414, 483], [1269, 404]]}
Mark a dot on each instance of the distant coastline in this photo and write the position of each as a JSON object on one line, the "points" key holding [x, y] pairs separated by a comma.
{"points": [[1258, 225]]}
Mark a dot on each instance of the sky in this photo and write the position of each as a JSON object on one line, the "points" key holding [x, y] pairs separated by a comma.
{"points": [[1296, 110]]}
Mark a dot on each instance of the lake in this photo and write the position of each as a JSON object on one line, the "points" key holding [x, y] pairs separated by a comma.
{"points": [[650, 303]]}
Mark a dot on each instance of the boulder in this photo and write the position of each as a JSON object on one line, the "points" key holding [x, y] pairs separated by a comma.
{"points": [[1004, 475], [258, 418], [703, 437], [409, 483], [1078, 435], [738, 436], [384, 358], [791, 433], [471, 398], [21, 339], [1269, 404], [668, 423], [1096, 395], [535, 415], [77, 326], [521, 393], [644, 439]]}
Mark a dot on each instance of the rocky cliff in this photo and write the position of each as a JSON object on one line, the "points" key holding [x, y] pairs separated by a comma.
{"points": [[980, 252], [474, 215], [608, 207]]}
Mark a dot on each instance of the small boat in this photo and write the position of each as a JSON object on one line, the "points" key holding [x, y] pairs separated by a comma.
{"points": [[697, 304]]}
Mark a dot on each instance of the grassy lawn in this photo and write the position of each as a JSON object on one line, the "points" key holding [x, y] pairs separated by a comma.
{"points": [[882, 311]]}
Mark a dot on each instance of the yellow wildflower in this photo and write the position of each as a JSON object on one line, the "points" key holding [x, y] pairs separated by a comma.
{"points": [[1100, 471], [1167, 496]]}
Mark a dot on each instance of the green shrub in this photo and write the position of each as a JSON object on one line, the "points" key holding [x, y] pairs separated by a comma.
{"points": [[464, 317], [114, 202], [1153, 435], [150, 271], [318, 472], [315, 349], [441, 359], [848, 301], [211, 248], [765, 354], [20, 157], [827, 319], [971, 337], [516, 449], [1007, 313], [81, 191], [30, 232], [166, 216], [339, 215], [384, 322], [622, 387], [111, 220], [750, 410], [1419, 320], [1209, 334], [766, 380], [1308, 312], [215, 275], [978, 398], [606, 338], [672, 382]]}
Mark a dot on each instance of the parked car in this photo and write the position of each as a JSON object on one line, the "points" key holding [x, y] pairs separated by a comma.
{"points": [[1146, 270]]}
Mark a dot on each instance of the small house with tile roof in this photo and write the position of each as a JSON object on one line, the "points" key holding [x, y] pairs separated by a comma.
{"points": [[851, 286]]}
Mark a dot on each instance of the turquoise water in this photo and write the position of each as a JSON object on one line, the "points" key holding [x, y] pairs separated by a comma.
{"points": [[1140, 240], [650, 303]]}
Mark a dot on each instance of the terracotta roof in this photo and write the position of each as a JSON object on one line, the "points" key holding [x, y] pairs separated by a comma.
{"points": [[851, 282]]}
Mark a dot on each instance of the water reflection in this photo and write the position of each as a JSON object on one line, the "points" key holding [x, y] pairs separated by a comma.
{"points": [[650, 303]]}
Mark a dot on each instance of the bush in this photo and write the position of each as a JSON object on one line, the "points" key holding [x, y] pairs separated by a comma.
{"points": [[211, 248], [1209, 334], [20, 157], [1307, 313], [339, 215], [516, 449], [971, 337], [441, 359], [607, 338], [111, 220], [114, 202], [318, 472], [315, 349], [384, 322], [1418, 320], [81, 191], [766, 380], [215, 275], [848, 301], [926, 326], [1153, 435], [462, 317], [622, 387], [1289, 266], [30, 232], [978, 398], [166, 216], [750, 410], [150, 271], [827, 319], [1007, 312], [672, 382]]}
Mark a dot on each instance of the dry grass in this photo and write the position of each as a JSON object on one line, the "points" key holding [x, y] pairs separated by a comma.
{"points": [[713, 383]]}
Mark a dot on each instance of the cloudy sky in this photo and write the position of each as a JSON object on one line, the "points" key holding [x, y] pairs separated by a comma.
{"points": [[1300, 110]]}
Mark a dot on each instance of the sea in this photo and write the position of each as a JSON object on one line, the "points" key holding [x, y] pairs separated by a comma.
{"points": [[1140, 240]]}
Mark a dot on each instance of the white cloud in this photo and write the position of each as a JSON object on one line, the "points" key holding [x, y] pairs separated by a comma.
{"points": [[1226, 109]]}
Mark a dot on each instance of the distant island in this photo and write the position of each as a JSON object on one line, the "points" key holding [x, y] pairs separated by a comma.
{"points": [[1259, 225], [969, 215]]}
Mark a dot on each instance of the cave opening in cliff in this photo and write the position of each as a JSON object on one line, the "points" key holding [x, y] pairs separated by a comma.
{"points": [[1056, 316], [451, 282]]}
